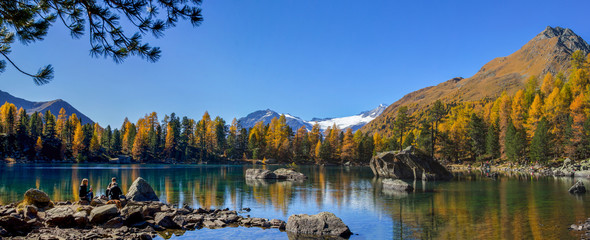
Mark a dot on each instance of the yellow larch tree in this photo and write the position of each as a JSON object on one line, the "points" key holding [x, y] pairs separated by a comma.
{"points": [[348, 152], [534, 116], [60, 126], [140, 143], [38, 146], [8, 118], [335, 141], [548, 84], [518, 114], [78, 144], [578, 108]]}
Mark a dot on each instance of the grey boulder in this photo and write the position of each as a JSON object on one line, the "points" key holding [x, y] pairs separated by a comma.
{"points": [[60, 217], [578, 188], [324, 224], [259, 174], [289, 174], [104, 213], [408, 164], [141, 190], [397, 185]]}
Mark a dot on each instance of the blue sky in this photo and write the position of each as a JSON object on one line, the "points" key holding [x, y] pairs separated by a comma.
{"points": [[307, 58]]}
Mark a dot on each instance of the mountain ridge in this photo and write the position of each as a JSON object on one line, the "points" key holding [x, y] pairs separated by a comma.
{"points": [[54, 106], [547, 52], [354, 122]]}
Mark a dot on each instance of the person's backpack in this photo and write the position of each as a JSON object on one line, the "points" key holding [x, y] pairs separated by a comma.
{"points": [[115, 192]]}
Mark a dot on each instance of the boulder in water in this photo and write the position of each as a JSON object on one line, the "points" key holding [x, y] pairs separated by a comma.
{"points": [[324, 224], [259, 174], [289, 174], [281, 173], [140, 190], [578, 188], [408, 165], [397, 185]]}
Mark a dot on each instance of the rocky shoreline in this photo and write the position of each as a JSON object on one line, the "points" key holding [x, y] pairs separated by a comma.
{"points": [[568, 168], [142, 216]]}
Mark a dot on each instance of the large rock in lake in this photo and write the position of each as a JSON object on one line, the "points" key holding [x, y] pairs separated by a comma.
{"points": [[281, 173], [408, 165], [578, 188], [289, 174], [324, 224], [397, 185], [140, 190], [37, 198], [259, 174]]}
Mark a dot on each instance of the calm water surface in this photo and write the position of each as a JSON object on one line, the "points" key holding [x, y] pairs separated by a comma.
{"points": [[469, 207]]}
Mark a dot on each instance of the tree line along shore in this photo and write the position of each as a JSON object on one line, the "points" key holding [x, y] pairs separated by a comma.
{"points": [[548, 120]]}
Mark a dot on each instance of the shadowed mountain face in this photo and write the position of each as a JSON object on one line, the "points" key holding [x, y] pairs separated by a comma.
{"points": [[54, 106], [548, 52]]}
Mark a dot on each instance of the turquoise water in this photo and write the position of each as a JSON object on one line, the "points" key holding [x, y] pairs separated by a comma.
{"points": [[469, 207]]}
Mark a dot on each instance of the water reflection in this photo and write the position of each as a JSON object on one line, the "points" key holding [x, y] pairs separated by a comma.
{"points": [[472, 206]]}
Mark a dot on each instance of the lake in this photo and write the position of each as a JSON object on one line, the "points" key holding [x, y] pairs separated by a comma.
{"points": [[471, 206]]}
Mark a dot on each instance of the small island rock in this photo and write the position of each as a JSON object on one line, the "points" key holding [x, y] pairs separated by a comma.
{"points": [[578, 188], [289, 174], [259, 174], [397, 185], [408, 164]]}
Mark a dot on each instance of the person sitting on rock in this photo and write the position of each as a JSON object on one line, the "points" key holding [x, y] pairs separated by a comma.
{"points": [[85, 191], [113, 190]]}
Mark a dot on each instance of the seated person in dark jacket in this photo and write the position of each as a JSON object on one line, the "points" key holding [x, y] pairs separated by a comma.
{"points": [[113, 190], [85, 191]]}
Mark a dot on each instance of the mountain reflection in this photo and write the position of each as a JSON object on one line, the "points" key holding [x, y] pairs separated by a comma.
{"points": [[472, 206]]}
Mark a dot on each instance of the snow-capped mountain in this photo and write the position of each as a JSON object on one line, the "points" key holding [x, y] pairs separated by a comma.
{"points": [[354, 122], [267, 115]]}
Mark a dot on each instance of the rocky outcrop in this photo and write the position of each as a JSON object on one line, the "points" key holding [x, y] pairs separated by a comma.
{"points": [[289, 174], [260, 174], [136, 220], [281, 174], [37, 198], [578, 188], [408, 165], [397, 185], [324, 224], [140, 190]]}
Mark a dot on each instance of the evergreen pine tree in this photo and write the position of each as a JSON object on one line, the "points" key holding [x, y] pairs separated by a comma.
{"points": [[493, 141], [538, 150], [477, 135]]}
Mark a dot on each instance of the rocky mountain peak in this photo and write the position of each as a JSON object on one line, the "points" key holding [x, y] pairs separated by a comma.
{"points": [[566, 38]]}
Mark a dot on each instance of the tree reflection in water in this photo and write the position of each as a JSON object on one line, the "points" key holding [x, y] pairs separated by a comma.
{"points": [[472, 206]]}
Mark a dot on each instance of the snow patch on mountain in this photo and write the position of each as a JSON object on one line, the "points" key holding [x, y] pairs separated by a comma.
{"points": [[354, 122]]}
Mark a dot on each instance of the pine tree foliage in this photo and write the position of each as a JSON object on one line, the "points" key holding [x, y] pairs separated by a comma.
{"points": [[29, 21]]}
